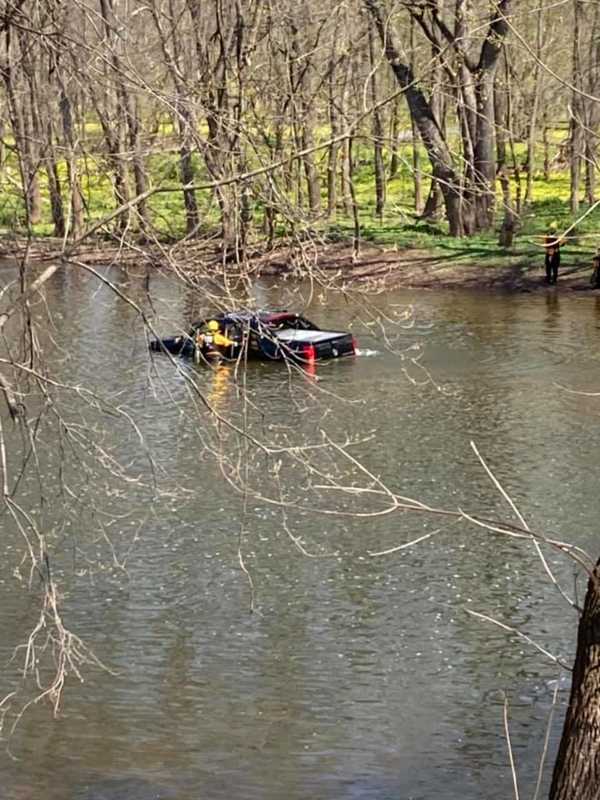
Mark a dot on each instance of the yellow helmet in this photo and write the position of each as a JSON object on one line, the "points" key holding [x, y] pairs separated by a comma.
{"points": [[212, 325], [553, 226]]}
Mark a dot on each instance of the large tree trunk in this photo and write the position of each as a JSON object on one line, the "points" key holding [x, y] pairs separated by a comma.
{"points": [[355, 215], [378, 165], [17, 115], [112, 119], [416, 160], [134, 132], [592, 112], [576, 136], [429, 130], [129, 108], [185, 121], [336, 75], [313, 184], [77, 204], [54, 187], [590, 169], [434, 204], [33, 136], [394, 136], [485, 167], [416, 170], [186, 169], [501, 104], [537, 88], [300, 70], [334, 147], [577, 767]]}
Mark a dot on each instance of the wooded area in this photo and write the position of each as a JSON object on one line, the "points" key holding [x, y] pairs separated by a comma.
{"points": [[249, 121], [232, 126]]}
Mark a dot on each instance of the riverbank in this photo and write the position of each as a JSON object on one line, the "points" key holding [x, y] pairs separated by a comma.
{"points": [[375, 266], [422, 269]]}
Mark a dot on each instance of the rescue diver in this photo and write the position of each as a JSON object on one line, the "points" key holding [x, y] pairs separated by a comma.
{"points": [[552, 260], [211, 342]]}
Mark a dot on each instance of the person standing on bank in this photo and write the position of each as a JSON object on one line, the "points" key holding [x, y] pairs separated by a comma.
{"points": [[552, 244], [595, 277]]}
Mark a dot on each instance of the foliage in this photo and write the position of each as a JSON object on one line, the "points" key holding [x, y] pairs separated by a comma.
{"points": [[399, 226]]}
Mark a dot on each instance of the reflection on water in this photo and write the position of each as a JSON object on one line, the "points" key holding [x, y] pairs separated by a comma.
{"points": [[220, 386], [357, 676]]}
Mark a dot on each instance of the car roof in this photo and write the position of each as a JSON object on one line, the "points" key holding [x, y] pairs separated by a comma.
{"points": [[248, 316], [263, 316]]}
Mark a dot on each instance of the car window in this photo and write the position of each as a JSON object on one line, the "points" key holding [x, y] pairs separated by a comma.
{"points": [[305, 325], [291, 321], [234, 330]]}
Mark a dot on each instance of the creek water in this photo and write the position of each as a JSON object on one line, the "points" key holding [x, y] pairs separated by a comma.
{"points": [[355, 676]]}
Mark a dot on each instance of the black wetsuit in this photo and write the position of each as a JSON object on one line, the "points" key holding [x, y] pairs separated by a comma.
{"points": [[595, 278], [552, 258]]}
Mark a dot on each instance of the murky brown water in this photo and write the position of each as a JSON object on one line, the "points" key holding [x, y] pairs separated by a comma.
{"points": [[356, 676]]}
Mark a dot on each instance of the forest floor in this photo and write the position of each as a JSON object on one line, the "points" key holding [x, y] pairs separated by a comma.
{"points": [[375, 266]]}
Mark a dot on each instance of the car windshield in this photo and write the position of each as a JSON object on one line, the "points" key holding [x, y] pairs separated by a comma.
{"points": [[291, 321]]}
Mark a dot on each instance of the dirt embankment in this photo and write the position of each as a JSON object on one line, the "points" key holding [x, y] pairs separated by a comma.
{"points": [[423, 269], [335, 263]]}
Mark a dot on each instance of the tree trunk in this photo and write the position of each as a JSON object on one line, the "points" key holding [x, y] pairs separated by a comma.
{"points": [[132, 117], [186, 170], [577, 768], [500, 117], [416, 165], [485, 167], [501, 110], [355, 215], [592, 113], [576, 134], [34, 192], [537, 88], [112, 123], [507, 231], [345, 150], [2, 144], [434, 204], [313, 184], [546, 153], [575, 164], [394, 134], [184, 117], [378, 165], [129, 108], [334, 148], [334, 100], [77, 221], [54, 188], [590, 170], [346, 178], [26, 166], [112, 119], [431, 135]]}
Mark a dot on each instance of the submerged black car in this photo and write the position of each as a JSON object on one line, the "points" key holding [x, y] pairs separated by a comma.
{"points": [[267, 335]]}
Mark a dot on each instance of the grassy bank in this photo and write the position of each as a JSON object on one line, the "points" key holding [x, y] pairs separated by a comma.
{"points": [[398, 229]]}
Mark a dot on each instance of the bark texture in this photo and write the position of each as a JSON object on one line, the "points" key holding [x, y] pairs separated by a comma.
{"points": [[429, 130], [577, 767]]}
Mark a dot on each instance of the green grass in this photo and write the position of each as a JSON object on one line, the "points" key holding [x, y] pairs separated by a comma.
{"points": [[398, 227]]}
